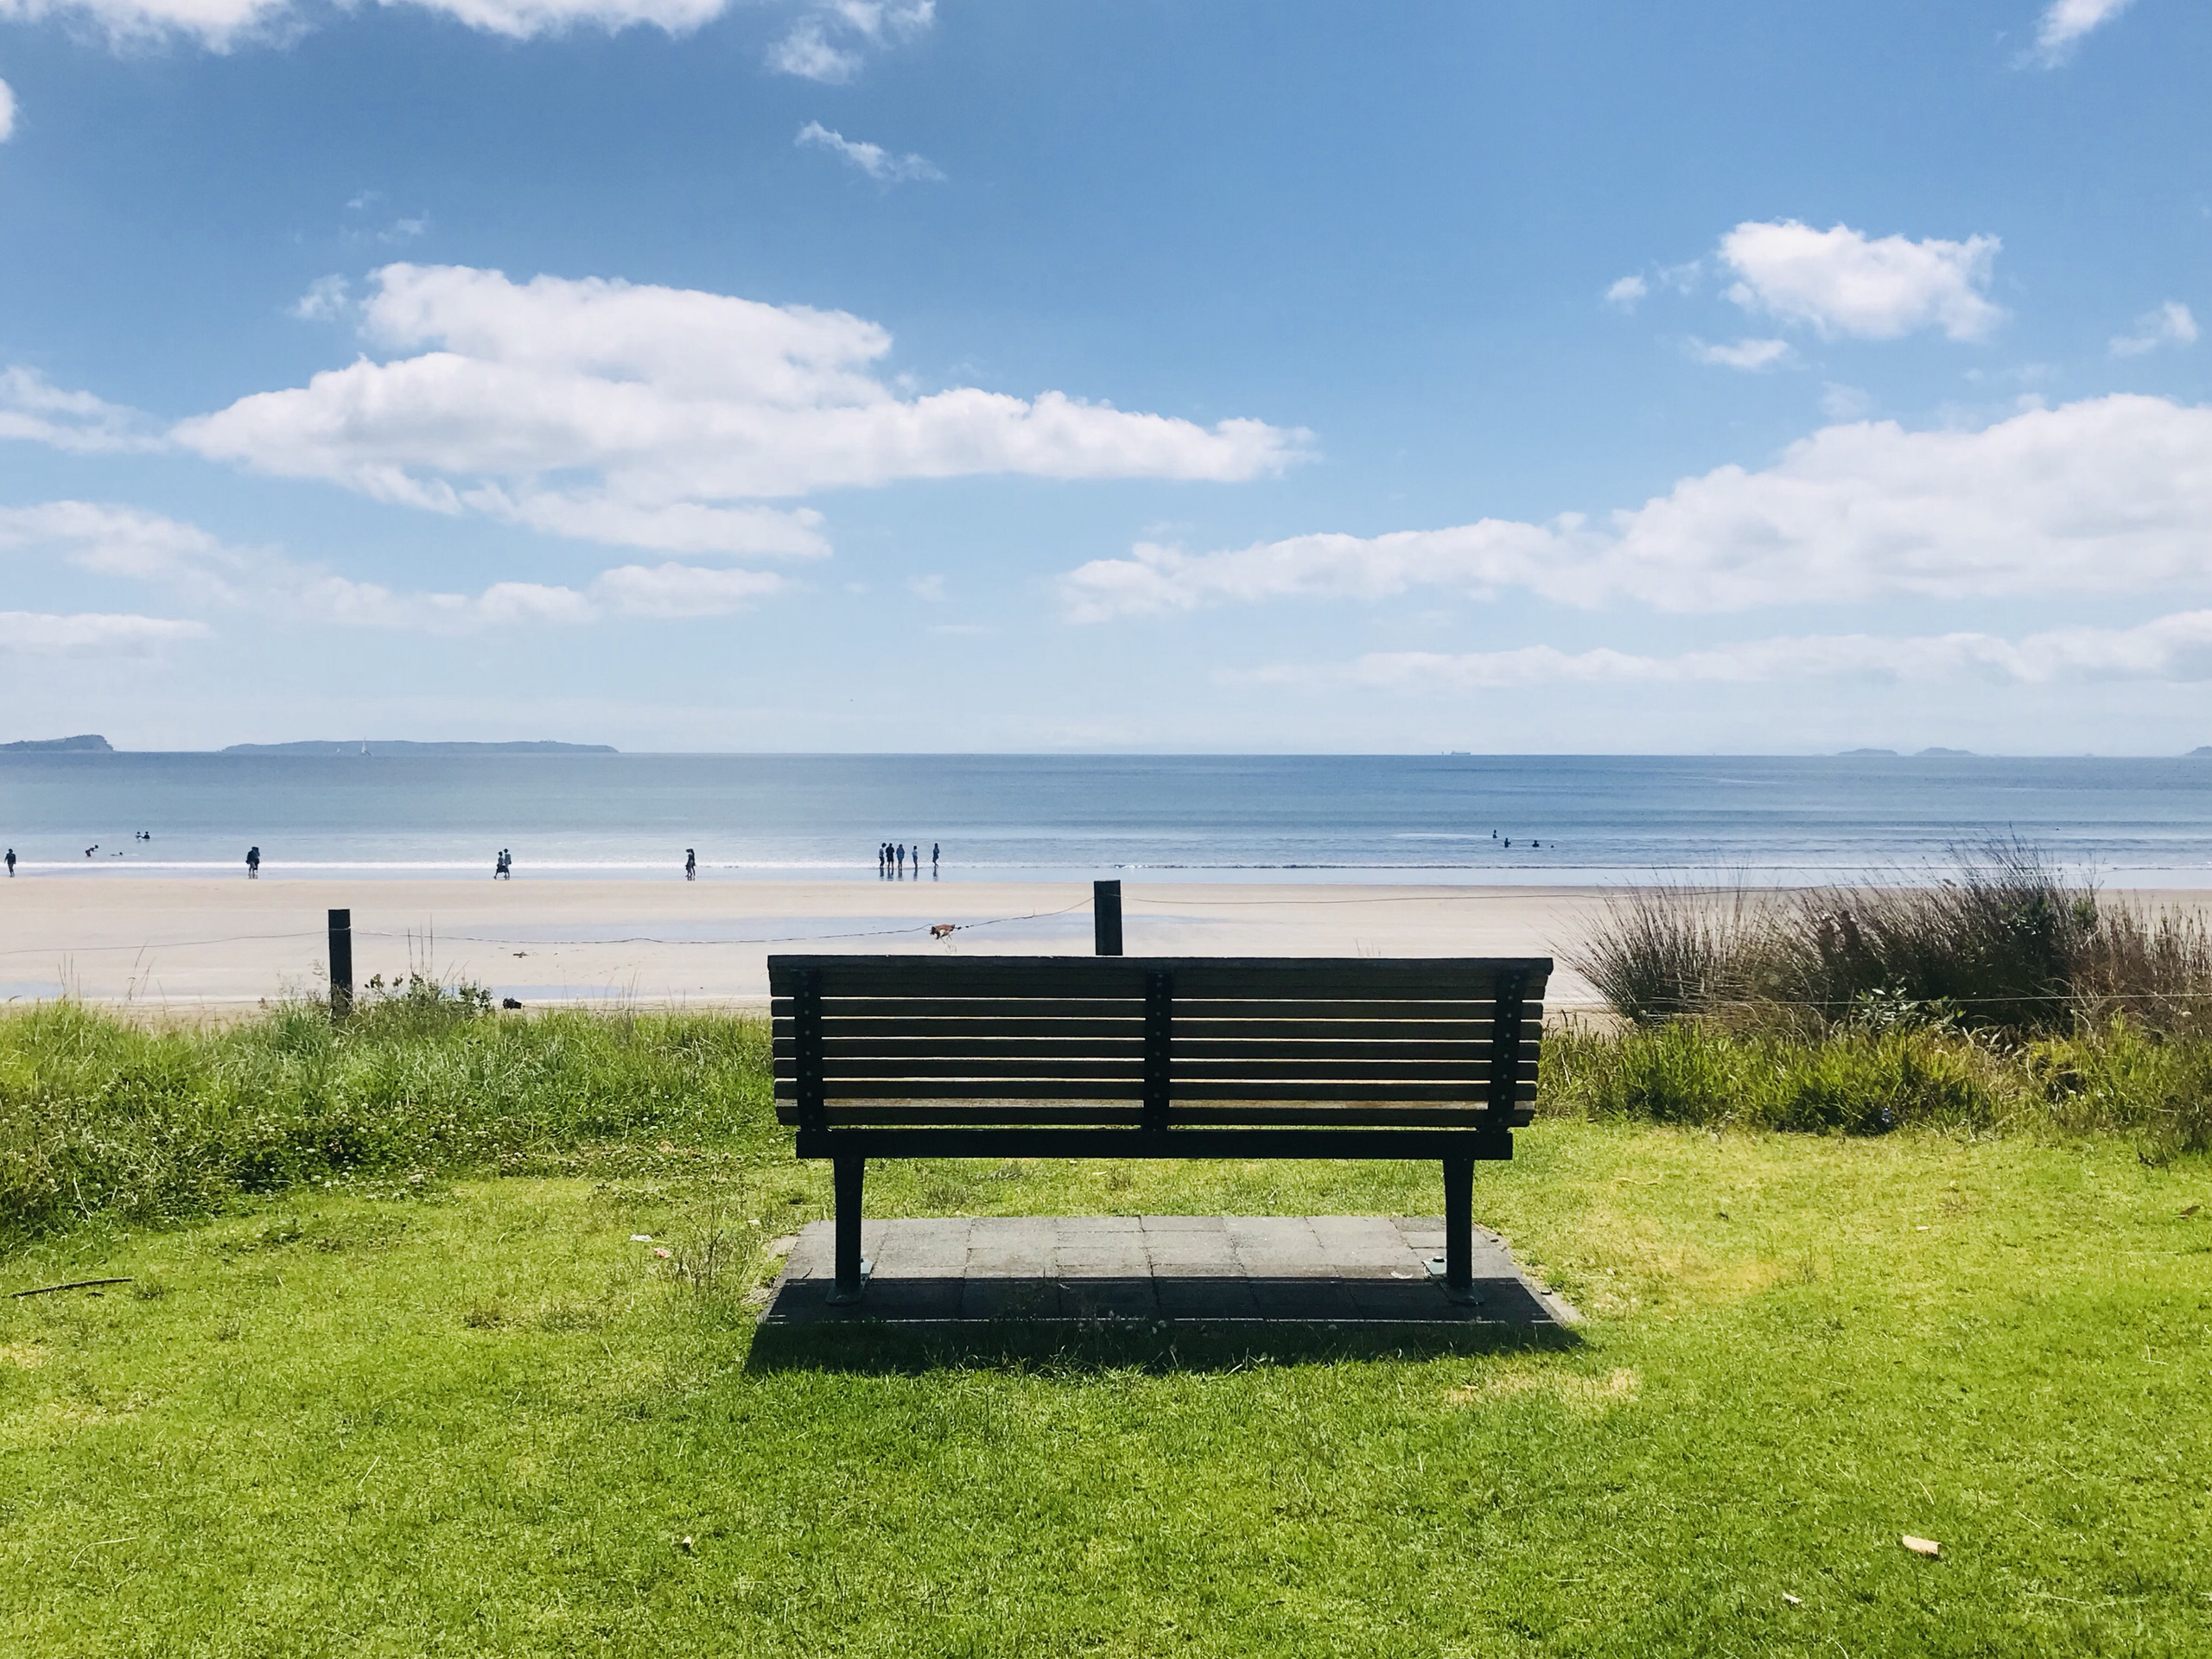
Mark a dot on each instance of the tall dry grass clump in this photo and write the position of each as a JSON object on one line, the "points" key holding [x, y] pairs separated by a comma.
{"points": [[1999, 992], [2002, 942]]}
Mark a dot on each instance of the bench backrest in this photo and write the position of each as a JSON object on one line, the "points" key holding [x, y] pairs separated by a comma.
{"points": [[1155, 1042]]}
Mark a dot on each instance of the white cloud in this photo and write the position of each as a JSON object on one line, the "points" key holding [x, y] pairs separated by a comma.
{"points": [[221, 24], [830, 43], [806, 53], [33, 408], [1627, 293], [2108, 494], [2171, 324], [131, 544], [659, 417], [874, 160], [526, 19], [929, 590], [7, 112], [326, 301], [683, 590], [1841, 402], [90, 633], [2065, 22], [1842, 282], [2177, 648], [215, 23], [1750, 355]]}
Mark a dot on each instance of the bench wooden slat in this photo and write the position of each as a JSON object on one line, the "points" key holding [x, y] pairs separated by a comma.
{"points": [[1012, 1006], [860, 1114], [1358, 1060], [932, 1027], [1184, 1051], [985, 1072], [1237, 978], [1093, 1089], [1447, 1028], [1006, 1088]]}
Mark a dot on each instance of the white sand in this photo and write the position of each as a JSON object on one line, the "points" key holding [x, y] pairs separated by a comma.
{"points": [[208, 945], [191, 944]]}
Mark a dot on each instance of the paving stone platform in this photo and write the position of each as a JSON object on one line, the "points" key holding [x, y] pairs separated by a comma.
{"points": [[1362, 1270]]}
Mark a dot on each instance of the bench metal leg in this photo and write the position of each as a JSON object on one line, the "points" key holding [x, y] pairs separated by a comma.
{"points": [[1459, 1228], [847, 1172]]}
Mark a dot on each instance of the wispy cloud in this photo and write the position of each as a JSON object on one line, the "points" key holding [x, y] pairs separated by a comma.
{"points": [[1628, 293], [102, 539], [874, 160], [1750, 355], [830, 43], [2169, 649], [2177, 648], [7, 112], [326, 301], [91, 633], [220, 25], [32, 407], [2065, 22], [2171, 324]]}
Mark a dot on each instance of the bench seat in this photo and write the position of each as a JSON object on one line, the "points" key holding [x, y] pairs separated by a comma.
{"points": [[1169, 1057]]}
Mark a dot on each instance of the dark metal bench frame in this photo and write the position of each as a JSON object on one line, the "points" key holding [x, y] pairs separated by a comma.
{"points": [[926, 1057]]}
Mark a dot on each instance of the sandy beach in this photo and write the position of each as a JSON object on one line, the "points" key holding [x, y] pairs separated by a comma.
{"points": [[192, 946]]}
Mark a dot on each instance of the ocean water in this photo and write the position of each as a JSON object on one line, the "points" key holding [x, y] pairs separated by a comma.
{"points": [[1445, 818]]}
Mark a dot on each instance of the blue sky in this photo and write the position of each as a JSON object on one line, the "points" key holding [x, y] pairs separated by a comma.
{"points": [[881, 375]]}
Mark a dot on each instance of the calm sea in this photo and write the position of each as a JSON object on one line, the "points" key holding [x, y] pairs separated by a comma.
{"points": [[1437, 818]]}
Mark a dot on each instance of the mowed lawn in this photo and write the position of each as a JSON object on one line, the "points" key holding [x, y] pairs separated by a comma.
{"points": [[479, 1418]]}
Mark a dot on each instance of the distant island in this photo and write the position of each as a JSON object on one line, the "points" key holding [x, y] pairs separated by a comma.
{"points": [[84, 743], [2203, 751], [1922, 755], [394, 745]]}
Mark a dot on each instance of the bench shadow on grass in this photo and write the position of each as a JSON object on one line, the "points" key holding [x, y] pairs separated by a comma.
{"points": [[1063, 1324]]}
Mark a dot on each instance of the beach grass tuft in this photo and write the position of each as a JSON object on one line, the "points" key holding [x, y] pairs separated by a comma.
{"points": [[2003, 941]]}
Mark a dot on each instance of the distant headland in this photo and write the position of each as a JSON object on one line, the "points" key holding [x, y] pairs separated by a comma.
{"points": [[393, 746], [83, 743]]}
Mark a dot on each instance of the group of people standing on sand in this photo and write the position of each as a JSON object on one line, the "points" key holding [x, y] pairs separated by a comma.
{"points": [[892, 859]]}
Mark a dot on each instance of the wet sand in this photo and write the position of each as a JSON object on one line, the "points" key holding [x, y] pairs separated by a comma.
{"points": [[193, 945]]}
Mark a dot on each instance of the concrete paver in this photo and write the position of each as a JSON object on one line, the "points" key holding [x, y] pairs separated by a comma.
{"points": [[1084, 1269]]}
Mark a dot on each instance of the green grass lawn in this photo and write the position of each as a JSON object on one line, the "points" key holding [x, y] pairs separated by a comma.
{"points": [[388, 1417]]}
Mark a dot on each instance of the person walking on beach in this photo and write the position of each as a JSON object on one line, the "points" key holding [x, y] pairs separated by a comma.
{"points": [[253, 863], [11, 863], [503, 868], [690, 864], [932, 860]]}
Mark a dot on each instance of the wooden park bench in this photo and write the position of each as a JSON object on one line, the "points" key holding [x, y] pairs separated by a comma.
{"points": [[1170, 1057]]}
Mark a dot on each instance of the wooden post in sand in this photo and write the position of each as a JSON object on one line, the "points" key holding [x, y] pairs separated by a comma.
{"points": [[1106, 917], [341, 963]]}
